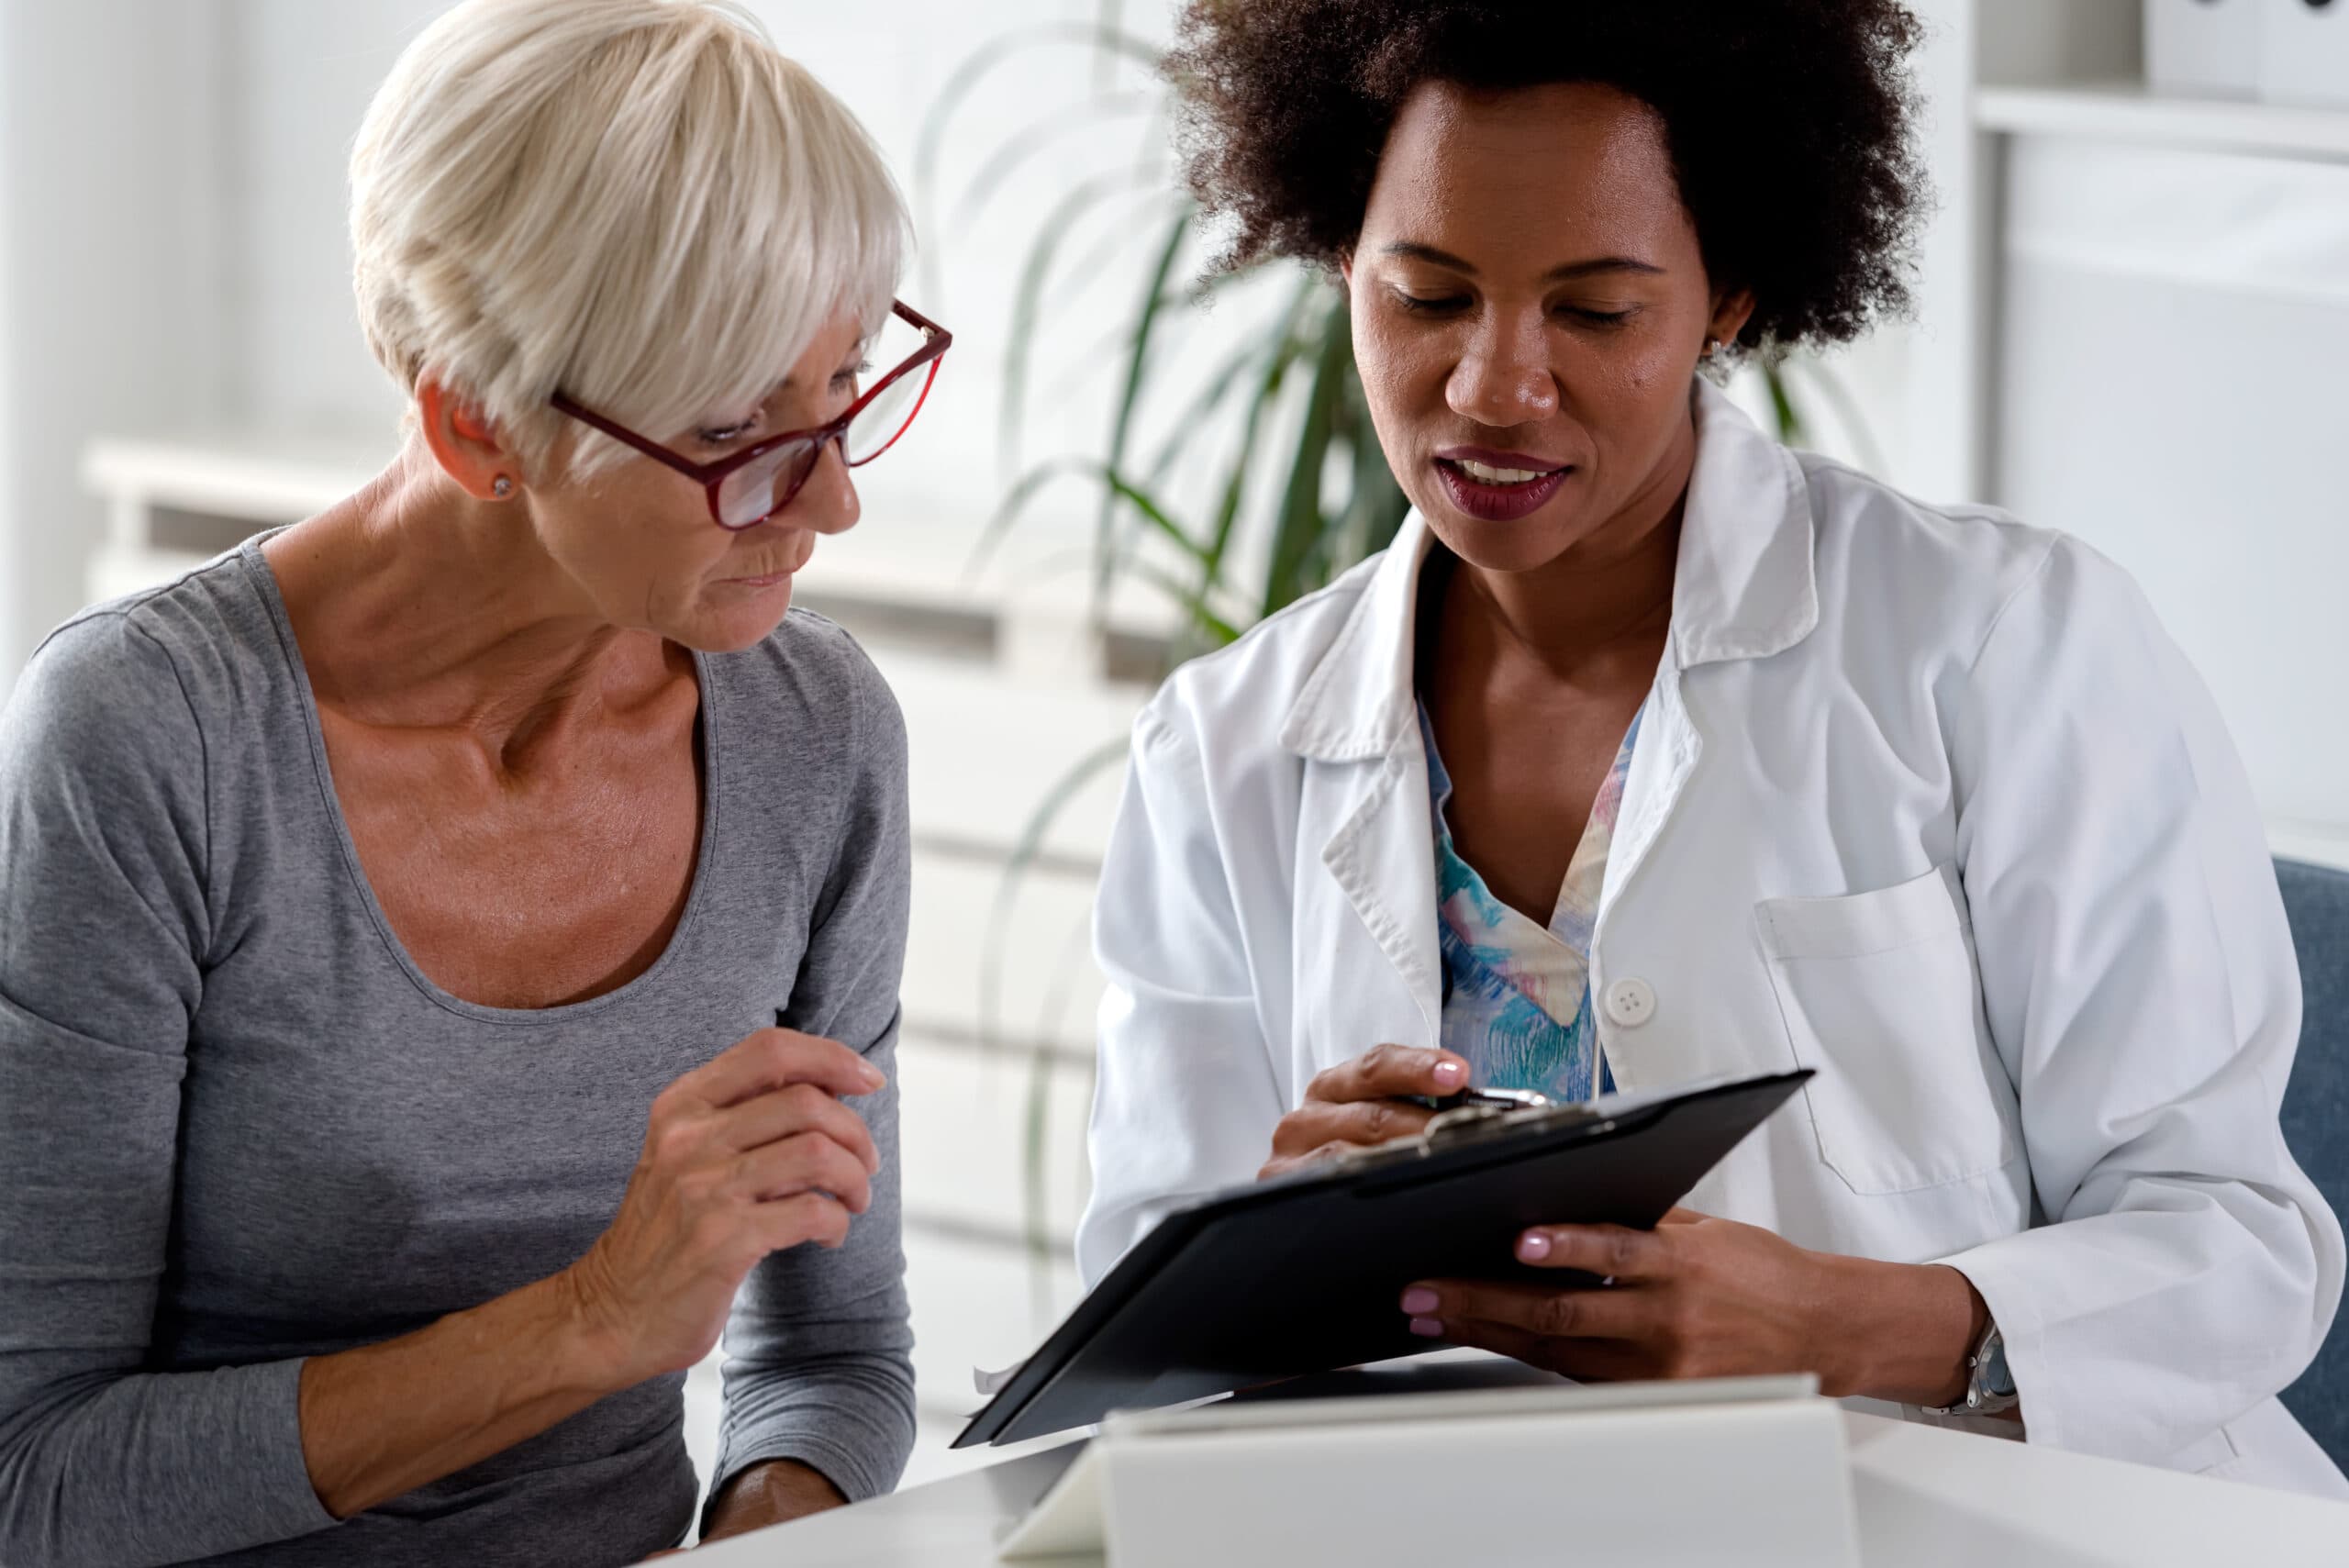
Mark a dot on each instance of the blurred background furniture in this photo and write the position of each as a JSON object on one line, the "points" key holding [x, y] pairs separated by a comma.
{"points": [[2316, 1110]]}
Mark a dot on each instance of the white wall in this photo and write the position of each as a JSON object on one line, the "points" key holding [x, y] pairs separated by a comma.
{"points": [[9, 609], [111, 284], [2175, 329], [304, 74]]}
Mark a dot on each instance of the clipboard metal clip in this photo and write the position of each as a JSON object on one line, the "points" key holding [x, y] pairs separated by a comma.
{"points": [[1471, 1117]]}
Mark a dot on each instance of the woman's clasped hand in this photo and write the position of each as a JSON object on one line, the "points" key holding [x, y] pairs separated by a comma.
{"points": [[752, 1155]]}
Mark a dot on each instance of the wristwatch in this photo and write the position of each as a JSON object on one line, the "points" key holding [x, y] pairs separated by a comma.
{"points": [[1989, 1386]]}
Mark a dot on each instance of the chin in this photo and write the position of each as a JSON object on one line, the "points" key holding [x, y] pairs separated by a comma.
{"points": [[730, 629], [1520, 546]]}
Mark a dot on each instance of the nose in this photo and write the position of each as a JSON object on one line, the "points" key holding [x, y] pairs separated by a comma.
{"points": [[827, 503], [1503, 377]]}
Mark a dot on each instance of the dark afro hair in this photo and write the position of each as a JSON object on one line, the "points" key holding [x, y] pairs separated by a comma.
{"points": [[1788, 123]]}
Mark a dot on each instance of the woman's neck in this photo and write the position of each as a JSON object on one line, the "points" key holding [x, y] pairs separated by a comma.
{"points": [[1614, 586], [417, 607]]}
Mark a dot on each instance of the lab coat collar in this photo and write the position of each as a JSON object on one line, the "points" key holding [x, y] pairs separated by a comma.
{"points": [[1744, 589]]}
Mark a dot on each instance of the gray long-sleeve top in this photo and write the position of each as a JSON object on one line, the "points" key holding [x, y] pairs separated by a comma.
{"points": [[239, 1127]]}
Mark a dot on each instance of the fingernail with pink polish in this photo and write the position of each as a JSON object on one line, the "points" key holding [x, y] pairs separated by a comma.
{"points": [[1427, 1328], [1533, 1246], [1449, 1073], [1418, 1301]]}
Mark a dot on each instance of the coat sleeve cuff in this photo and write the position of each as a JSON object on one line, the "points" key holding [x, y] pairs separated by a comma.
{"points": [[2047, 1397]]}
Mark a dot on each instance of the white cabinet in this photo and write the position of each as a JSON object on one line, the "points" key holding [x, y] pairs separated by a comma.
{"points": [[2203, 46], [2135, 321], [2173, 329], [2304, 51]]}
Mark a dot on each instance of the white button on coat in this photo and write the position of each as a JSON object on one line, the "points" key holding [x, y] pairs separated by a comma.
{"points": [[1631, 1003], [1924, 800]]}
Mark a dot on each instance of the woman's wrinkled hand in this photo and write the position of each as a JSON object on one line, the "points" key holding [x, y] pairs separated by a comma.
{"points": [[1694, 1297], [1363, 1102], [749, 1155]]}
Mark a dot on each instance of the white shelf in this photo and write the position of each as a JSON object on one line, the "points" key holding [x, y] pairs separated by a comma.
{"points": [[232, 475], [1038, 590], [2129, 112]]}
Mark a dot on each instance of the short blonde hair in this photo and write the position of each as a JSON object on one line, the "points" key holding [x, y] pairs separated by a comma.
{"points": [[638, 203]]}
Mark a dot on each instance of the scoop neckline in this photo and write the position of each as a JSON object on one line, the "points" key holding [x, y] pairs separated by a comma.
{"points": [[264, 579]]}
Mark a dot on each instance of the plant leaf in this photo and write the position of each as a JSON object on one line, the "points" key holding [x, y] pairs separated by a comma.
{"points": [[1298, 531], [1286, 347], [965, 79], [1822, 376], [1034, 138], [1782, 405], [1026, 303], [1016, 499], [1136, 370], [1375, 509], [1152, 512], [1193, 602], [1253, 353]]}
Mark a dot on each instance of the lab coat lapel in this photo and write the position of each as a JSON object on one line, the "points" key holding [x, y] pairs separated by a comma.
{"points": [[1366, 776], [1744, 588], [1382, 856]]}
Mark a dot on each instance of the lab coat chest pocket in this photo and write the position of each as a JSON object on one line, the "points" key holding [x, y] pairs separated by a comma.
{"points": [[1880, 994]]}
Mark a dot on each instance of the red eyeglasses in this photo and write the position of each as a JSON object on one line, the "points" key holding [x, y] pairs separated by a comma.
{"points": [[748, 487]]}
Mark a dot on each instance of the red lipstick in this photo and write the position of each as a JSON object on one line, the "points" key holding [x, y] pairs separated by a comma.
{"points": [[1499, 501]]}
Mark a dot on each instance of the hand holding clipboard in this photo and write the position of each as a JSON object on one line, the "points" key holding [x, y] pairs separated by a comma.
{"points": [[1304, 1271]]}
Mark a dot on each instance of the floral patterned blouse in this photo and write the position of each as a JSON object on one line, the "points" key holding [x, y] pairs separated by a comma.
{"points": [[1516, 994]]}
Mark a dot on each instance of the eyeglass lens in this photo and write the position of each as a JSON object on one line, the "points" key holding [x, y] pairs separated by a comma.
{"points": [[757, 489]]}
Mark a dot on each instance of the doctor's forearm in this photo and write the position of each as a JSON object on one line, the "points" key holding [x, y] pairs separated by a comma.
{"points": [[1903, 1331]]}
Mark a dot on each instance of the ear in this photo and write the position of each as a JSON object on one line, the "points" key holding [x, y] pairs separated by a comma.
{"points": [[1346, 268], [1731, 311], [467, 446]]}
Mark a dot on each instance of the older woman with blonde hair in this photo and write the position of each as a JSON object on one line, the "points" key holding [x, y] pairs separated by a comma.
{"points": [[449, 947]]}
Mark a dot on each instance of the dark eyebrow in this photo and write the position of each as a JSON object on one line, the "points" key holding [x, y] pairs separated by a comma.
{"points": [[1557, 275]]}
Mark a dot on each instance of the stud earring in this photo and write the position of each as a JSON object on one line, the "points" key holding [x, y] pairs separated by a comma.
{"points": [[504, 487]]}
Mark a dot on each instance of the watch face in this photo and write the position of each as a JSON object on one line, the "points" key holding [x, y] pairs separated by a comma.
{"points": [[1996, 1379]]}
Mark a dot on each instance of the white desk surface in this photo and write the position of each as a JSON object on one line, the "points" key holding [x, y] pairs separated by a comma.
{"points": [[1926, 1498]]}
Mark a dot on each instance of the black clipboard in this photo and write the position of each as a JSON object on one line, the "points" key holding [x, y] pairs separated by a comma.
{"points": [[1302, 1273]]}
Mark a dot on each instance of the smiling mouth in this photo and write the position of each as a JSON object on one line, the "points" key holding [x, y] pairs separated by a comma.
{"points": [[1489, 473], [1498, 492]]}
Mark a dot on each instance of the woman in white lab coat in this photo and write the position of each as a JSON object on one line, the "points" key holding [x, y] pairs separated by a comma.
{"points": [[1652, 751]]}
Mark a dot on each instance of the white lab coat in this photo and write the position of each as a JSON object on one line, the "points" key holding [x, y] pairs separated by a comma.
{"points": [[1925, 800]]}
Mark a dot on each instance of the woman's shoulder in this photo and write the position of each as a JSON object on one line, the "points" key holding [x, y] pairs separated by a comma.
{"points": [[147, 666], [105, 768], [815, 680], [1868, 524], [1942, 576]]}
